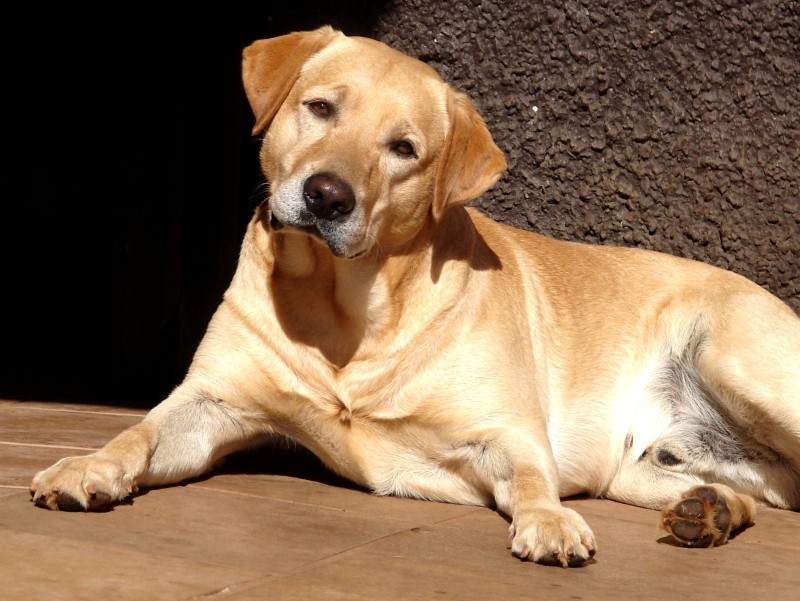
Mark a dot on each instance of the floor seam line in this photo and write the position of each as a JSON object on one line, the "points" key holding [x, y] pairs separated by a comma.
{"points": [[21, 405], [46, 446]]}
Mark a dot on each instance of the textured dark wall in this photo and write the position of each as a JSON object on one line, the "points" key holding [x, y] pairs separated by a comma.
{"points": [[673, 126]]}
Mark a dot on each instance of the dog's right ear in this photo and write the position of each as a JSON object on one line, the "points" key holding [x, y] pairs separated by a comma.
{"points": [[270, 68]]}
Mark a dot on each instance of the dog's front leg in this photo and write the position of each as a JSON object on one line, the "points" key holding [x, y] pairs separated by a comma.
{"points": [[542, 530], [179, 439]]}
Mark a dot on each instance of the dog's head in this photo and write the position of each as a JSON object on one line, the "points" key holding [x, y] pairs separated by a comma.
{"points": [[362, 144]]}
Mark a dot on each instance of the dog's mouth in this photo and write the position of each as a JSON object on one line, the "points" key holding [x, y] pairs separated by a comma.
{"points": [[314, 231], [311, 230]]}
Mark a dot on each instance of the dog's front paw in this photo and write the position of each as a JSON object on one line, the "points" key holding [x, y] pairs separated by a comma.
{"points": [[81, 484], [557, 536], [706, 515]]}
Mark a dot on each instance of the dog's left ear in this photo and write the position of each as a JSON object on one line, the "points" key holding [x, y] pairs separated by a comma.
{"points": [[470, 163], [270, 68]]}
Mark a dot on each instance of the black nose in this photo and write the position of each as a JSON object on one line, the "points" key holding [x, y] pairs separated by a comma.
{"points": [[328, 197]]}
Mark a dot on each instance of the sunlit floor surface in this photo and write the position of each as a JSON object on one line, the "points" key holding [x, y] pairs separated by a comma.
{"points": [[275, 525]]}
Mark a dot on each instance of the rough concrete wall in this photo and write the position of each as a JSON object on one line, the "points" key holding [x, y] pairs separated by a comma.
{"points": [[667, 125]]}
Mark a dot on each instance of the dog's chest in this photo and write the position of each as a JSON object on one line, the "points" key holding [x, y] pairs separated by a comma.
{"points": [[347, 410], [384, 432]]}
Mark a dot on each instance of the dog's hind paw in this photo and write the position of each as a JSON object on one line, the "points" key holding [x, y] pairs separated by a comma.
{"points": [[706, 515]]}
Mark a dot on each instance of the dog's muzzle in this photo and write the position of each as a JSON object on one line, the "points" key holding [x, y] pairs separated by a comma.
{"points": [[326, 198], [320, 210]]}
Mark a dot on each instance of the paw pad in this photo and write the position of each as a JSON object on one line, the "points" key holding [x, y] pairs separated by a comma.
{"points": [[701, 519]]}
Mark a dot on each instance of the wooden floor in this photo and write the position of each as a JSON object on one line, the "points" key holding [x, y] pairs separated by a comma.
{"points": [[274, 525]]}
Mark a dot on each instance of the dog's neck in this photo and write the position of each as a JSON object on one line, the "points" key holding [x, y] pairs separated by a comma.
{"points": [[351, 308]]}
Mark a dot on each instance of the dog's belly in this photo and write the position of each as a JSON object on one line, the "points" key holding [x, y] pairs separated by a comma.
{"points": [[591, 449], [598, 430]]}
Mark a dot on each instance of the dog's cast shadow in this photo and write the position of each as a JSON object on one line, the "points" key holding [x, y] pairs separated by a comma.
{"points": [[283, 458], [673, 542], [275, 459]]}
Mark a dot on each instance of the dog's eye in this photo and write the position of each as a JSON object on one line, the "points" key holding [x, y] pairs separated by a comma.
{"points": [[320, 108], [404, 149]]}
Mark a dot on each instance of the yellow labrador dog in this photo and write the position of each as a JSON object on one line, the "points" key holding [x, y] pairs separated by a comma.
{"points": [[420, 348]]}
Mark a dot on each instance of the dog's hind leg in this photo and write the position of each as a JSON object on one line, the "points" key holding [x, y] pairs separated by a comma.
{"points": [[694, 513], [735, 435], [749, 363], [647, 485]]}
